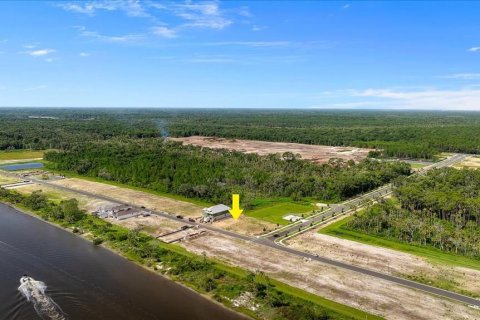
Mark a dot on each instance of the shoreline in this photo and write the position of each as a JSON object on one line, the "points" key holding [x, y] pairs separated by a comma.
{"points": [[117, 253]]}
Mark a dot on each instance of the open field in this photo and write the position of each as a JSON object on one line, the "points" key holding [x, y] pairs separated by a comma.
{"points": [[274, 212], [472, 162], [373, 295], [432, 254], [152, 225], [138, 198], [315, 153], [6, 179], [19, 156], [84, 202], [459, 279]]}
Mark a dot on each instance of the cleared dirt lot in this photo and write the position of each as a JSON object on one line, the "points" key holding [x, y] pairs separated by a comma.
{"points": [[370, 294], [153, 225], [472, 162], [89, 204], [135, 197], [315, 153], [387, 260], [245, 225]]}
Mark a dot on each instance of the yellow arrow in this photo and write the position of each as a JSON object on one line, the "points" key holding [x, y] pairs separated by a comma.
{"points": [[236, 211]]}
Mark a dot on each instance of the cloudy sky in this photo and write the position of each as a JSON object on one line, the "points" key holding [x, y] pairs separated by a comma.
{"points": [[405, 55]]}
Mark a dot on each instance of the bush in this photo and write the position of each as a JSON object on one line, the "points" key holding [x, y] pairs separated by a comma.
{"points": [[97, 241]]}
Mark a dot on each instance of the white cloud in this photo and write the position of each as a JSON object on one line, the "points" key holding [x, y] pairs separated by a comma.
{"points": [[128, 38], [430, 99], [464, 76], [164, 32], [132, 8], [201, 15], [346, 6], [84, 54], [474, 49], [40, 52]]}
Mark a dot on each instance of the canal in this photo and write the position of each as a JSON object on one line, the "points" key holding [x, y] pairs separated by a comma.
{"points": [[84, 281]]}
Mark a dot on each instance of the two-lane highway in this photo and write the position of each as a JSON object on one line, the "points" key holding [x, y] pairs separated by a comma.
{"points": [[268, 244]]}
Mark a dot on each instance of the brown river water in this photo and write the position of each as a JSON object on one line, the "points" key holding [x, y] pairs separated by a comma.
{"points": [[72, 279]]}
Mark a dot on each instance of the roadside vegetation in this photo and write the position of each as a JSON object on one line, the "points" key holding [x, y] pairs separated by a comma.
{"points": [[213, 175], [261, 297], [436, 215], [440, 209]]}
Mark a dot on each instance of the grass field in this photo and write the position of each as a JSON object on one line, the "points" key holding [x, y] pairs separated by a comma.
{"points": [[19, 155], [432, 254], [274, 212]]}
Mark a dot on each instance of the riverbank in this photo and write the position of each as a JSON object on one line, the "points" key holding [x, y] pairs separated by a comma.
{"points": [[252, 294]]}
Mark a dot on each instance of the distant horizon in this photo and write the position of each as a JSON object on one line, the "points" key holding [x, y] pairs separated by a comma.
{"points": [[230, 54], [240, 108]]}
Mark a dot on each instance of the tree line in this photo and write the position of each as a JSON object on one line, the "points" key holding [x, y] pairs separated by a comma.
{"points": [[440, 209], [214, 174]]}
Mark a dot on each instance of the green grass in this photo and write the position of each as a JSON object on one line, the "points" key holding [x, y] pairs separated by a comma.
{"points": [[274, 211], [417, 165], [432, 254], [20, 154]]}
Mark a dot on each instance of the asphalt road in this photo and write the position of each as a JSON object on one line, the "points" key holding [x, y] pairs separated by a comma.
{"points": [[268, 243], [338, 209]]}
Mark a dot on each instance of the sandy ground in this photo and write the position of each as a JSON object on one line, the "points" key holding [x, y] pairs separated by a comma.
{"points": [[138, 198], [472, 162], [89, 204], [19, 160], [386, 260], [371, 294], [245, 225], [316, 153], [153, 225], [7, 180]]}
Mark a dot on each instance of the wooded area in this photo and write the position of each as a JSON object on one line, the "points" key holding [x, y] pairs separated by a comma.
{"points": [[440, 209], [404, 134], [214, 174]]}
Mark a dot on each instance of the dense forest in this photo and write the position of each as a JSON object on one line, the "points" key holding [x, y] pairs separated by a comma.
{"points": [[406, 134], [440, 209], [399, 134], [213, 175], [59, 128]]}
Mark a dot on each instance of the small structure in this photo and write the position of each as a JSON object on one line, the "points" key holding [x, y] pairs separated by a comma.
{"points": [[126, 213], [292, 218], [215, 213]]}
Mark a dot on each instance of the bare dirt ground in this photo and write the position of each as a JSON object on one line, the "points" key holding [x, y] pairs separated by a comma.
{"points": [[386, 260], [371, 294], [139, 198], [89, 204], [472, 162], [6, 179], [315, 153], [19, 160], [245, 225], [153, 225]]}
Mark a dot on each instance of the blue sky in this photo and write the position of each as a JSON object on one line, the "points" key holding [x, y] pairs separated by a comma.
{"points": [[248, 54]]}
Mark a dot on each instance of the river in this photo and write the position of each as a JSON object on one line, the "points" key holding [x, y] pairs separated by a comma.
{"points": [[84, 281]]}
